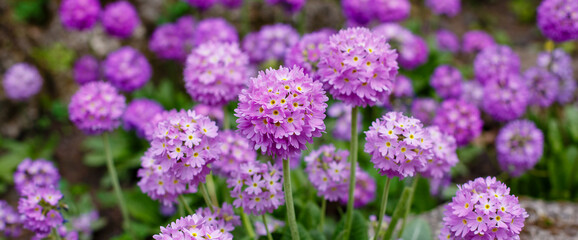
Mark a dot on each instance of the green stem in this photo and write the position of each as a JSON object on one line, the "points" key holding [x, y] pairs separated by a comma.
{"points": [[115, 183], [382, 207], [181, 209], [212, 191], [185, 205], [397, 213], [289, 200], [353, 159], [302, 20], [409, 202], [205, 194], [54, 234], [246, 17], [226, 124], [322, 219], [247, 224], [267, 228]]}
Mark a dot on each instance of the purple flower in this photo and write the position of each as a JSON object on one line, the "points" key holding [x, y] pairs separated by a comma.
{"points": [[442, 155], [152, 123], [270, 43], [22, 81], [272, 225], [460, 119], [447, 81], [365, 188], [86, 69], [201, 4], [291, 6], [120, 19], [476, 40], [328, 171], [223, 218], [342, 129], [559, 63], [127, 69], [472, 92], [449, 8], [483, 207], [542, 86], [232, 3], [396, 144], [138, 114], [216, 72], [506, 99], [214, 113], [557, 19], [359, 12], [235, 151], [196, 226], [358, 67], [307, 52], [79, 14], [496, 62], [40, 211], [215, 30], [401, 96], [174, 40], [281, 111], [447, 41], [10, 223], [31, 175], [413, 51], [424, 109], [390, 10], [519, 145], [96, 108], [83, 222], [257, 188]]}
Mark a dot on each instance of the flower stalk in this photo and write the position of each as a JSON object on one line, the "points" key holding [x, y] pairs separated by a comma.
{"points": [[352, 170], [289, 200], [115, 182]]}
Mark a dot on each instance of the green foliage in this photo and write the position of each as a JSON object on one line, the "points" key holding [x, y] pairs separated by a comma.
{"points": [[32, 11], [303, 233], [525, 10], [359, 229], [56, 58], [417, 229]]}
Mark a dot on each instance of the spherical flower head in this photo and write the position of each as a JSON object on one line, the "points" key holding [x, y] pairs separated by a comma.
{"points": [[483, 207], [476, 40], [365, 188], [449, 8], [397, 145], [413, 50], [196, 226], [542, 86], [460, 119], [360, 12], [402, 87], [559, 63], [21, 81], [358, 67], [96, 108], [442, 155], [167, 42], [216, 72], [506, 99], [223, 217], [127, 69], [520, 145], [214, 113], [447, 81], [447, 41], [31, 175], [472, 92], [10, 224], [232, 3], [40, 211], [281, 111], [152, 123], [496, 62], [138, 114], [271, 43], [235, 151], [86, 69], [307, 52], [328, 171], [390, 10], [257, 188], [79, 14], [120, 19], [215, 30], [557, 19], [424, 109], [342, 129], [291, 6], [202, 4]]}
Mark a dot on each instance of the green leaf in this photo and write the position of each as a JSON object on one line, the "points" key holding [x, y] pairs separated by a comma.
{"points": [[56, 58], [310, 216], [417, 229], [571, 118], [398, 212], [316, 234], [303, 234], [141, 207], [358, 228]]}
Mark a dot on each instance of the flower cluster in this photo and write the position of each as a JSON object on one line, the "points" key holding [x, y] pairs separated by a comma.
{"points": [[9, 221], [79, 14], [496, 62], [397, 145], [401, 96], [476, 40], [281, 111], [447, 81], [205, 31], [120, 19], [232, 3], [83, 223], [182, 148], [257, 188], [424, 109], [472, 92], [223, 218], [483, 207], [291, 6], [307, 52], [442, 155], [342, 112], [328, 171], [96, 108], [216, 72], [459, 119], [519, 145], [138, 114], [31, 175], [192, 227], [413, 51], [235, 151], [559, 63], [447, 41], [214, 113], [449, 8], [365, 188], [86, 69], [270, 43], [362, 12], [358, 67], [151, 124], [173, 40], [542, 86], [202, 4], [127, 69], [557, 19], [506, 99], [21, 81]]}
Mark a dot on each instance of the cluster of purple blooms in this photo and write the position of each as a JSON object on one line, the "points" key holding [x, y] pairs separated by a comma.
{"points": [[235, 151], [205, 31], [223, 218], [21, 81], [559, 63], [449, 8], [342, 128], [206, 4], [365, 188], [495, 63], [96, 107], [447, 81], [412, 49], [214, 113], [120, 19], [447, 41], [441, 156], [307, 52], [358, 67], [138, 114], [215, 73], [127, 69], [476, 40], [86, 69], [174, 41], [472, 92], [483, 208], [460, 119], [401, 96], [10, 224], [328, 171], [397, 145], [542, 86], [31, 175], [270, 43], [257, 188], [557, 19], [201, 225], [506, 99], [291, 6], [79, 14], [362, 12], [519, 145], [424, 109]]}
